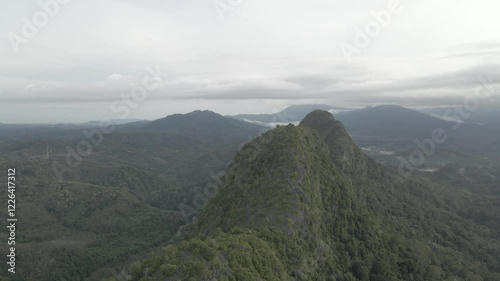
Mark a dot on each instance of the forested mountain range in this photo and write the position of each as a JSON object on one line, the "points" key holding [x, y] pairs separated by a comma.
{"points": [[122, 199], [173, 199]]}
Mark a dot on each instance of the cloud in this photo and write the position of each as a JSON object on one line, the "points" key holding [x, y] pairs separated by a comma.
{"points": [[264, 53], [116, 76], [352, 86]]}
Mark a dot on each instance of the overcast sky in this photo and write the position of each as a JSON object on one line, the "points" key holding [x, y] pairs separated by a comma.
{"points": [[246, 56]]}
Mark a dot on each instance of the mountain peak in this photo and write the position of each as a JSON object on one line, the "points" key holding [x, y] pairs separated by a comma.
{"points": [[203, 112], [205, 124], [344, 152], [318, 115], [192, 114], [276, 168], [281, 213]]}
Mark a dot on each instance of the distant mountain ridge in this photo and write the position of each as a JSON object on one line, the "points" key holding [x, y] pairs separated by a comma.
{"points": [[388, 122], [293, 113], [485, 113], [199, 123]]}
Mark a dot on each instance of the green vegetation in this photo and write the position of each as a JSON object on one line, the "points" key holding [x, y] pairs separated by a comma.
{"points": [[296, 203], [321, 219], [117, 203]]}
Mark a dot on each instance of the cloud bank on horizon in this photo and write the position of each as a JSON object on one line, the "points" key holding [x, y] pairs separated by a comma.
{"points": [[69, 60]]}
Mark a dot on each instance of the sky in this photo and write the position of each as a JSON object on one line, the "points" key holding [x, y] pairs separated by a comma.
{"points": [[75, 60]]}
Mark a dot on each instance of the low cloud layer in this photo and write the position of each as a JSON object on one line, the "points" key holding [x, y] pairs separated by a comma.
{"points": [[260, 57]]}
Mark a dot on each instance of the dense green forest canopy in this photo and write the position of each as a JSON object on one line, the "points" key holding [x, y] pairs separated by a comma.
{"points": [[303, 203], [173, 199]]}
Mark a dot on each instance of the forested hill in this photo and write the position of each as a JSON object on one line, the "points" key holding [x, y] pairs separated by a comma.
{"points": [[302, 203], [120, 199], [200, 123]]}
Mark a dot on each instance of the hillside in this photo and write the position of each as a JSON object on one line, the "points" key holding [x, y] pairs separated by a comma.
{"points": [[297, 203], [303, 203], [274, 220], [204, 124], [117, 202]]}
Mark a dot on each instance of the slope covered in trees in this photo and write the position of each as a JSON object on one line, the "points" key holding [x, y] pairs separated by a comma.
{"points": [[118, 201], [297, 203], [303, 203]]}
